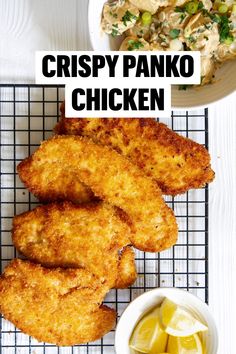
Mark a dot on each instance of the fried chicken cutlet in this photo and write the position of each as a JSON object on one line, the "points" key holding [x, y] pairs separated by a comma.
{"points": [[68, 235], [59, 306], [112, 178], [174, 162]]}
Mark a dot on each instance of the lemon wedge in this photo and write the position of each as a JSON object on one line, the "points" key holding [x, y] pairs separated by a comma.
{"points": [[178, 322], [185, 345], [149, 335]]}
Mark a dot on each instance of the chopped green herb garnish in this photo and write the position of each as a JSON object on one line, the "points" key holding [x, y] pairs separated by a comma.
{"points": [[216, 18], [115, 31], [184, 87], [224, 27], [113, 14], [208, 26], [134, 45], [128, 17], [206, 13], [182, 17], [174, 33], [192, 39], [179, 9], [200, 5], [182, 12]]}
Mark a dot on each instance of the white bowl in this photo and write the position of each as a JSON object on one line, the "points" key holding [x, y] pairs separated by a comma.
{"points": [[225, 82], [142, 304]]}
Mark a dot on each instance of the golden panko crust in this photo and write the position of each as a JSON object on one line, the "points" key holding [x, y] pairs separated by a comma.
{"points": [[56, 184], [86, 236], [111, 177], [176, 163], [59, 306], [127, 273]]}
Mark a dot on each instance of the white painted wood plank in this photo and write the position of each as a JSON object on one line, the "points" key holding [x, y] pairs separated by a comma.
{"points": [[30, 25], [222, 248]]}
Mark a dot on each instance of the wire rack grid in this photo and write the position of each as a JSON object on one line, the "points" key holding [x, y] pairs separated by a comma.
{"points": [[27, 115]]}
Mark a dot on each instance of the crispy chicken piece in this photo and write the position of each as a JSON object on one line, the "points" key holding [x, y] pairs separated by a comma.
{"points": [[59, 306], [68, 235], [112, 178], [56, 190], [174, 162]]}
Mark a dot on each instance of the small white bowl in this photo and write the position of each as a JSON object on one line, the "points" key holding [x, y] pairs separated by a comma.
{"points": [[224, 84], [142, 304]]}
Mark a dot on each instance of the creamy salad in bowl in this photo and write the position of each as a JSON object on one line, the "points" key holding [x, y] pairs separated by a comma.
{"points": [[206, 26]]}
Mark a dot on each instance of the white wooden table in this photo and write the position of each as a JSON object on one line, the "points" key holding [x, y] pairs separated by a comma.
{"points": [[30, 25]]}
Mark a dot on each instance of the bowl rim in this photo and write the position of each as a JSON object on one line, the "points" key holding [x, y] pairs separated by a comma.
{"points": [[203, 106], [165, 292]]}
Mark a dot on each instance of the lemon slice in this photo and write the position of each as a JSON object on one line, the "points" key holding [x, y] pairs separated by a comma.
{"points": [[149, 335], [178, 322], [185, 345]]}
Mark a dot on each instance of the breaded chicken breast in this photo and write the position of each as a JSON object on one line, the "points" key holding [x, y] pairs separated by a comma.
{"points": [[59, 306], [55, 188], [174, 162], [67, 235], [112, 178]]}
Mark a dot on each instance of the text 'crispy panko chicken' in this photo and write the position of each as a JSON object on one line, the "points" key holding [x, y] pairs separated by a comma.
{"points": [[59, 306], [111, 177], [174, 162], [67, 235]]}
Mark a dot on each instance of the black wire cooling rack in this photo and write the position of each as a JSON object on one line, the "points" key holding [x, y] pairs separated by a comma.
{"points": [[28, 113]]}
